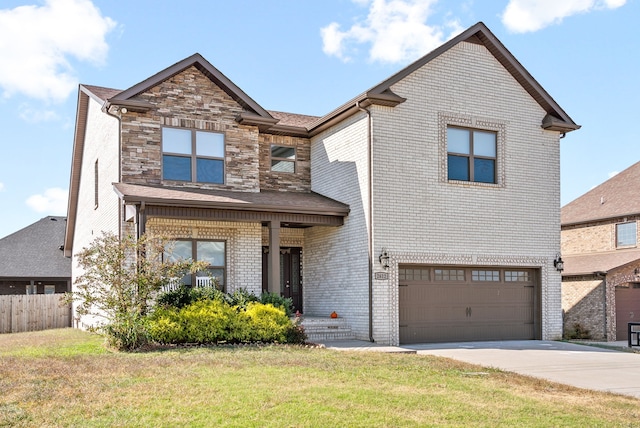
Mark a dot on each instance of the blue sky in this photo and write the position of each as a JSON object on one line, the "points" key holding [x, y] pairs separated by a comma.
{"points": [[303, 57]]}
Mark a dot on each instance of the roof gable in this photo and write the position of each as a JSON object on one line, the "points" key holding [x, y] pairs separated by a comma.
{"points": [[196, 60], [616, 197], [555, 120]]}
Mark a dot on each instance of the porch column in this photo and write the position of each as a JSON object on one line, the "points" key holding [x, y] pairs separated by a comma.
{"points": [[274, 257]]}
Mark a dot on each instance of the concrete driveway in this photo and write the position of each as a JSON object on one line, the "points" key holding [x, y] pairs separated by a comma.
{"points": [[582, 366]]}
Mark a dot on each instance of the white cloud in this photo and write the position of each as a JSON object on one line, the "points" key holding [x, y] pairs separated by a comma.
{"points": [[52, 202], [522, 16], [396, 31], [29, 114], [1, 186], [613, 173], [37, 42]]}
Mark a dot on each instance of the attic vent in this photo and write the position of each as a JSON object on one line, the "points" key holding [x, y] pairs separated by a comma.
{"points": [[53, 219]]}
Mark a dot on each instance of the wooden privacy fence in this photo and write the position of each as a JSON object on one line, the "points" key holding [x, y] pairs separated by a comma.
{"points": [[33, 312]]}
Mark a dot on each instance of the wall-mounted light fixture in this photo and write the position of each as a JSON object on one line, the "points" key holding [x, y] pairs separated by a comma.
{"points": [[558, 263], [384, 258]]}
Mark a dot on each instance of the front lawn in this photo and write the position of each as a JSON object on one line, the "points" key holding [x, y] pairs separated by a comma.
{"points": [[67, 378]]}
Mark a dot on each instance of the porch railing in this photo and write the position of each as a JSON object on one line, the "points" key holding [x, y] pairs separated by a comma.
{"points": [[201, 281]]}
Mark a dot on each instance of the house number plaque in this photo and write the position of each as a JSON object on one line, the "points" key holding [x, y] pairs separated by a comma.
{"points": [[381, 275]]}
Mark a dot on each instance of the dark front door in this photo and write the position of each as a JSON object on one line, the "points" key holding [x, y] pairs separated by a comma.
{"points": [[290, 274]]}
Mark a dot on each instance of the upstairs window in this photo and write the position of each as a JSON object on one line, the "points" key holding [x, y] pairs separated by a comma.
{"points": [[190, 155], [471, 155], [283, 159], [626, 234]]}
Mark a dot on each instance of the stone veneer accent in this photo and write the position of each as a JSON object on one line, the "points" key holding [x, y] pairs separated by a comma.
{"points": [[300, 181], [189, 100]]}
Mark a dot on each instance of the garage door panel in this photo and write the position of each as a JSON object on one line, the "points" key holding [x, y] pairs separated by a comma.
{"points": [[627, 308], [444, 304]]}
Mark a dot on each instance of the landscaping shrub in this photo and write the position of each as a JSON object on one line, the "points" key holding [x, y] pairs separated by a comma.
{"points": [[216, 321], [185, 295], [268, 323], [278, 301]]}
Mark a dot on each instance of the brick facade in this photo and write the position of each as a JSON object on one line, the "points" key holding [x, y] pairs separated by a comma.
{"points": [[388, 163], [590, 301]]}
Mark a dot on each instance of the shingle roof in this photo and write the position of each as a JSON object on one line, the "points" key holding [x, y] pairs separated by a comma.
{"points": [[292, 119], [102, 93], [598, 262], [616, 197], [274, 201], [35, 251]]}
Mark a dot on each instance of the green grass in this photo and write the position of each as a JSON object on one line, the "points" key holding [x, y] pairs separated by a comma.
{"points": [[66, 378]]}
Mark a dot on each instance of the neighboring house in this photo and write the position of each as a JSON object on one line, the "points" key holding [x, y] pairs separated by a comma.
{"points": [[33, 261], [601, 279], [425, 209]]}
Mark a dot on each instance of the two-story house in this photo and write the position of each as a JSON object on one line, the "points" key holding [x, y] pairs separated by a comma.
{"points": [[425, 209], [601, 279]]}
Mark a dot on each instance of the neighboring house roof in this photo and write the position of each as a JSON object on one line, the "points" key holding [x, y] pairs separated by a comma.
{"points": [[616, 197], [586, 264], [272, 201], [36, 251]]}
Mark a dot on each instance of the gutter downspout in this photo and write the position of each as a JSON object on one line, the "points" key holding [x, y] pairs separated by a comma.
{"points": [[370, 196], [107, 109]]}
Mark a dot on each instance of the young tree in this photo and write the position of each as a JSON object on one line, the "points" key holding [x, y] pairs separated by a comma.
{"points": [[119, 280]]}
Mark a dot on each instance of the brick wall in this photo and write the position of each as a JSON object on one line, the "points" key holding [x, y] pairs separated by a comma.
{"points": [[593, 237], [336, 262], [584, 303], [244, 246], [101, 144], [418, 215]]}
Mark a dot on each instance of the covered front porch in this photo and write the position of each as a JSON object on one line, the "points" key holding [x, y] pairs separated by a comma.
{"points": [[247, 224]]}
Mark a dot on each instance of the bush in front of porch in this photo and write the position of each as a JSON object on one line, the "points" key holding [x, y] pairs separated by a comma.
{"points": [[209, 316]]}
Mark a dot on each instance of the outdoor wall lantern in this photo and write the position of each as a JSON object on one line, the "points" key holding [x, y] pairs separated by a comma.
{"points": [[558, 263], [384, 259]]}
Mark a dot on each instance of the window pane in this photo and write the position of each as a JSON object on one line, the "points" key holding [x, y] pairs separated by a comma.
{"points": [[210, 144], [283, 152], [176, 140], [211, 252], [485, 275], [283, 166], [484, 144], [484, 170], [458, 168], [210, 170], [458, 141], [176, 168], [626, 234], [181, 251]]}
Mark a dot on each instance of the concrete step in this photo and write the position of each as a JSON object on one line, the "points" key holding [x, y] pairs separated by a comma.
{"points": [[320, 329]]}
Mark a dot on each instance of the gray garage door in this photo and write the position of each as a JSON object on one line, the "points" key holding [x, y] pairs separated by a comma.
{"points": [[451, 304]]}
